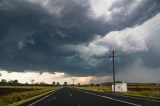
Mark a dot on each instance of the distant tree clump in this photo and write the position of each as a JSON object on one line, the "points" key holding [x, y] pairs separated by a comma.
{"points": [[65, 83], [58, 84], [3, 82], [53, 83]]}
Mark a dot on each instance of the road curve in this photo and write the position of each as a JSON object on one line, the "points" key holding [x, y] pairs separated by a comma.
{"points": [[75, 97]]}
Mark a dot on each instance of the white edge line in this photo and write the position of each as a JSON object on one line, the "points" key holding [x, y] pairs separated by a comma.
{"points": [[109, 98], [42, 98], [135, 97]]}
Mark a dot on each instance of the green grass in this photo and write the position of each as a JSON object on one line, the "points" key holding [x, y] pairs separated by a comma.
{"points": [[19, 96]]}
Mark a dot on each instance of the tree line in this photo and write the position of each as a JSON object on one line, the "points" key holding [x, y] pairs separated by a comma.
{"points": [[32, 82]]}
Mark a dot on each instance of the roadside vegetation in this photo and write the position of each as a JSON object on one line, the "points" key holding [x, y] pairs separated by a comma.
{"points": [[97, 88], [11, 94], [151, 91], [144, 90]]}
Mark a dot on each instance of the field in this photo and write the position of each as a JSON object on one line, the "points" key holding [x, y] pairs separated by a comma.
{"points": [[11, 94], [97, 88], [140, 90]]}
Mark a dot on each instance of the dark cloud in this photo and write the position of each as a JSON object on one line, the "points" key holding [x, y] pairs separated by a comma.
{"points": [[32, 35]]}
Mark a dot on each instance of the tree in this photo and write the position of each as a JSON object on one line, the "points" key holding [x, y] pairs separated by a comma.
{"points": [[58, 84], [65, 83], [53, 83], [3, 82], [91, 84], [15, 82]]}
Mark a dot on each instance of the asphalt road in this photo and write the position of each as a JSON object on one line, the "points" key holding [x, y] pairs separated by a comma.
{"points": [[74, 97]]}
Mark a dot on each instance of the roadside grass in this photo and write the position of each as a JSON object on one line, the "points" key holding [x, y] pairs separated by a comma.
{"points": [[24, 87], [19, 96], [29, 99], [143, 86], [146, 91], [155, 94], [97, 88]]}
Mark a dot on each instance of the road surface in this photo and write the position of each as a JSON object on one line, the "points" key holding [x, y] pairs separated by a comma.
{"points": [[75, 97]]}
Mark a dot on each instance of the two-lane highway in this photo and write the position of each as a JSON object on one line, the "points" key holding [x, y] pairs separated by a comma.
{"points": [[74, 97]]}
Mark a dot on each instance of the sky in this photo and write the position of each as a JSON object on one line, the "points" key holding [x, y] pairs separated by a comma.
{"points": [[74, 39]]}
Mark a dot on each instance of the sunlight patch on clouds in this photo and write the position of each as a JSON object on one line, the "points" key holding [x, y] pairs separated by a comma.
{"points": [[88, 50], [100, 7], [130, 39], [109, 9]]}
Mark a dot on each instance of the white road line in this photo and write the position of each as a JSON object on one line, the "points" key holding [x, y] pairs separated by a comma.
{"points": [[109, 98], [42, 98], [70, 94], [134, 97], [54, 98]]}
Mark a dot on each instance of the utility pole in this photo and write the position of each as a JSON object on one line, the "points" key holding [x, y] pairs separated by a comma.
{"points": [[73, 79], [113, 68]]}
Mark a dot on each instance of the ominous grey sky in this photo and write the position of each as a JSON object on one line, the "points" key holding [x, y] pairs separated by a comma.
{"points": [[75, 37]]}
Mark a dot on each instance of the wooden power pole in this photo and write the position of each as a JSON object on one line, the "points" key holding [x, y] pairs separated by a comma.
{"points": [[113, 67]]}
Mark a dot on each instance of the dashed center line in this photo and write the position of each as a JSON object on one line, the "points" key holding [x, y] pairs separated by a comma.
{"points": [[54, 98], [70, 94]]}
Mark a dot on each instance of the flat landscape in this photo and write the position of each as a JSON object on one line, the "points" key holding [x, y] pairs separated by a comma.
{"points": [[79, 52], [69, 96], [151, 91], [84, 95], [12, 94]]}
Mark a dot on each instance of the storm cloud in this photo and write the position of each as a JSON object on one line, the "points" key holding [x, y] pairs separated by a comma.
{"points": [[60, 35]]}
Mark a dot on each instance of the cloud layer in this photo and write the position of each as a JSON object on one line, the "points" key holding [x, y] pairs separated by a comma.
{"points": [[75, 37]]}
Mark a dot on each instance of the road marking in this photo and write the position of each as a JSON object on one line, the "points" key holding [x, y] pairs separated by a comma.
{"points": [[109, 98], [54, 98], [70, 94], [134, 97], [42, 98]]}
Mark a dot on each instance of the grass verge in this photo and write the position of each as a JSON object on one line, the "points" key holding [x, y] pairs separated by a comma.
{"points": [[26, 95], [144, 91], [29, 99], [144, 94], [97, 88]]}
